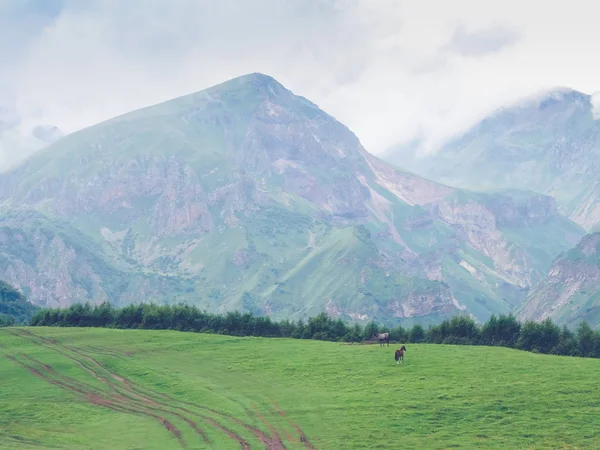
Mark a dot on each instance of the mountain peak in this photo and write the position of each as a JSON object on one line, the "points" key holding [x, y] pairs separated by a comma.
{"points": [[548, 97], [256, 80]]}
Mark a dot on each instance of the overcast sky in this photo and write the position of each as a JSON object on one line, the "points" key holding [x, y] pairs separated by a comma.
{"points": [[391, 70]]}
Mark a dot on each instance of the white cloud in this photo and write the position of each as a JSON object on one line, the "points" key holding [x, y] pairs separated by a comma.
{"points": [[391, 70], [482, 42]]}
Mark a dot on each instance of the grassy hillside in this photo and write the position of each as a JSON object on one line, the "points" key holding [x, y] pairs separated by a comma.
{"points": [[148, 389]]}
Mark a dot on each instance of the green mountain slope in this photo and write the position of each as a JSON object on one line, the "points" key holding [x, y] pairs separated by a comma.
{"points": [[14, 307], [571, 291], [549, 144], [246, 196]]}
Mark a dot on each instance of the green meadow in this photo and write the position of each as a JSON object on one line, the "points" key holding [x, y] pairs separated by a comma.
{"points": [[136, 389]]}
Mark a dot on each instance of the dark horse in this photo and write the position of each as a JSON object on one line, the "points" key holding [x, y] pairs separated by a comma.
{"points": [[382, 337], [399, 355]]}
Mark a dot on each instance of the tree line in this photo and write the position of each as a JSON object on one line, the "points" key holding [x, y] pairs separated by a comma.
{"points": [[14, 307], [503, 330]]}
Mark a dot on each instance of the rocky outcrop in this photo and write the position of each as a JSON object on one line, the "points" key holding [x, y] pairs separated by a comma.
{"points": [[571, 291], [46, 268], [477, 226]]}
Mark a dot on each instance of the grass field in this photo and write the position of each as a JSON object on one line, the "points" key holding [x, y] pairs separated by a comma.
{"points": [[126, 389]]}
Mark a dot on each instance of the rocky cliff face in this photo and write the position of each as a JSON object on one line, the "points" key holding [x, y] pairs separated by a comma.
{"points": [[246, 196], [549, 144], [571, 291]]}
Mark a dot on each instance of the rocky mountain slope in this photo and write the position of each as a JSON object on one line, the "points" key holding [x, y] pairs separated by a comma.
{"points": [[246, 196], [549, 143], [571, 291]]}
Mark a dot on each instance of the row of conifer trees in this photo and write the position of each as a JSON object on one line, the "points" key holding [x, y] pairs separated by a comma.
{"points": [[504, 330]]}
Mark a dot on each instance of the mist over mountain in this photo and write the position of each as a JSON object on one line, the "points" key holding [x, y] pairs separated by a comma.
{"points": [[17, 142], [547, 143], [246, 196]]}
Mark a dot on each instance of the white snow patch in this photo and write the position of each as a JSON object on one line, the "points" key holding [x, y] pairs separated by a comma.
{"points": [[469, 267]]}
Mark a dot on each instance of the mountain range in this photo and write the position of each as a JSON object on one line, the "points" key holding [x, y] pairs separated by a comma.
{"points": [[548, 143], [246, 196]]}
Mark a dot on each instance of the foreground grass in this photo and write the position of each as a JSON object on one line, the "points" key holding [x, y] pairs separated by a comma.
{"points": [[126, 389]]}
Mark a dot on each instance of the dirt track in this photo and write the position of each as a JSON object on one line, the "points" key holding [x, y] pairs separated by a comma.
{"points": [[123, 395]]}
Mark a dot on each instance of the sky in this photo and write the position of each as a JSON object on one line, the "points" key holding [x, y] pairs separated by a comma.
{"points": [[391, 70]]}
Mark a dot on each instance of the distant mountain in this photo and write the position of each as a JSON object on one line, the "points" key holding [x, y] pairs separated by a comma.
{"points": [[571, 291], [549, 143], [246, 196]]}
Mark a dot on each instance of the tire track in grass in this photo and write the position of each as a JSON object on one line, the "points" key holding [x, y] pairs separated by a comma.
{"points": [[103, 380], [107, 352], [303, 437], [124, 396], [137, 394], [23, 440], [256, 414], [277, 410], [130, 388], [99, 400], [270, 426], [273, 442]]}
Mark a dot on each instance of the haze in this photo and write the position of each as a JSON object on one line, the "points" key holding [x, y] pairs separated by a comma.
{"points": [[392, 71]]}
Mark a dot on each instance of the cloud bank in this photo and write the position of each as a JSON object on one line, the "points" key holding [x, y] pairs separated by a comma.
{"points": [[482, 42], [391, 70]]}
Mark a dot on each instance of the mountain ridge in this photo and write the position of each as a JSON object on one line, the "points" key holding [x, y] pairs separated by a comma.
{"points": [[548, 143], [246, 196]]}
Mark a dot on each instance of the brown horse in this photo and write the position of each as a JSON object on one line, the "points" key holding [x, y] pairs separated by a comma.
{"points": [[382, 337], [399, 355]]}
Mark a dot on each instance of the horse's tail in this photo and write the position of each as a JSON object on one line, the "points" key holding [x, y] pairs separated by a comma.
{"points": [[397, 356]]}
